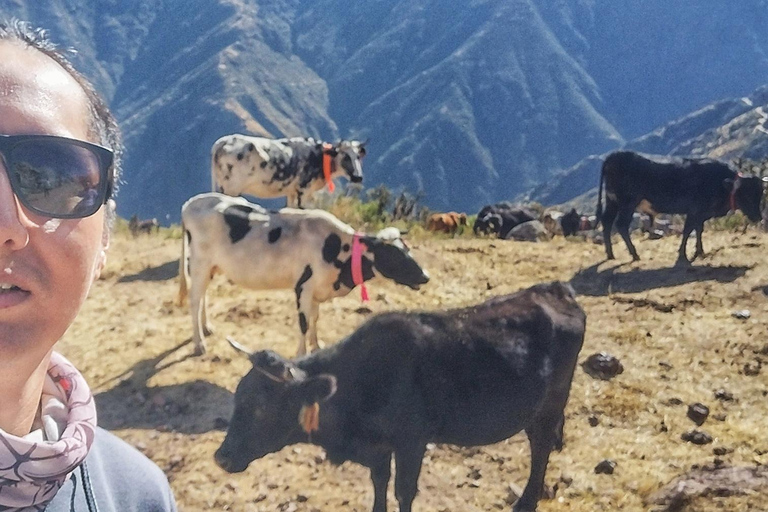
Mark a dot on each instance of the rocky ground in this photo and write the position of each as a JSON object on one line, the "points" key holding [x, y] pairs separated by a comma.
{"points": [[682, 335]]}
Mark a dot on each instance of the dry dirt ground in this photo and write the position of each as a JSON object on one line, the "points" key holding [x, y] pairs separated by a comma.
{"points": [[672, 328]]}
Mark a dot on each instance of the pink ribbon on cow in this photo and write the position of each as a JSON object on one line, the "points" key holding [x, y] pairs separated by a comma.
{"points": [[357, 266]]}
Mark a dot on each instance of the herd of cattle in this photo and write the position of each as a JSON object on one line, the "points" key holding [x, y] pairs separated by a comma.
{"points": [[472, 376]]}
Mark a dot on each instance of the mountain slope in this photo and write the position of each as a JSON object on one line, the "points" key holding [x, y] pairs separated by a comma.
{"points": [[470, 102]]}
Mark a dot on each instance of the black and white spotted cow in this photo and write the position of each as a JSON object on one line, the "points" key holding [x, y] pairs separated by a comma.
{"points": [[307, 250], [294, 168]]}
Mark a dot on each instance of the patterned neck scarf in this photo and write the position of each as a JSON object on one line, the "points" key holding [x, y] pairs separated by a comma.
{"points": [[34, 467]]}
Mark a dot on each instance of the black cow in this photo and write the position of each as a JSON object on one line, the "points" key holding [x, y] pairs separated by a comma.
{"points": [[699, 188], [570, 222], [469, 377], [501, 218]]}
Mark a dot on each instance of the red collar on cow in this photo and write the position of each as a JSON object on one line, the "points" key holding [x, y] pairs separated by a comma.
{"points": [[328, 166], [357, 266]]}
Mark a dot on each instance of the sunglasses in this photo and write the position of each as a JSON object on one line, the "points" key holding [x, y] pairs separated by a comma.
{"points": [[56, 176]]}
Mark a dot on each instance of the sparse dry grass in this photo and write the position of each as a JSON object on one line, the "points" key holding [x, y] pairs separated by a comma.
{"points": [[166, 403]]}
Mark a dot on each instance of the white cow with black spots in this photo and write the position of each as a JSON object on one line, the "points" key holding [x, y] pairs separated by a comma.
{"points": [[294, 168], [307, 250]]}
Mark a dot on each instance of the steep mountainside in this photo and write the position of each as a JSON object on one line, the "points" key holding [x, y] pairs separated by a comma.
{"points": [[468, 101], [727, 130]]}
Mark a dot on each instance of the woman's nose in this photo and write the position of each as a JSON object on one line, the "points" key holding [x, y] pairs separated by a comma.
{"points": [[13, 233]]}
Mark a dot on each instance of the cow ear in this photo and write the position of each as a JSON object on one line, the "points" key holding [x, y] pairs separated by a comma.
{"points": [[317, 389], [271, 363]]}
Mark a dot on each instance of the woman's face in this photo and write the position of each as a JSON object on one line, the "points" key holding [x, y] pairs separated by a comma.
{"points": [[47, 265]]}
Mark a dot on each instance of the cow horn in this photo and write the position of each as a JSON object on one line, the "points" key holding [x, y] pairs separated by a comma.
{"points": [[365, 141], [238, 347], [765, 179]]}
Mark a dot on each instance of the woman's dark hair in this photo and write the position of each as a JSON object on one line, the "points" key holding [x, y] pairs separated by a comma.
{"points": [[102, 124]]}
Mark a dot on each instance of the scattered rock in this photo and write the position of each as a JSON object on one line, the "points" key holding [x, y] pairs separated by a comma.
{"points": [[741, 314], [593, 421], [602, 366], [696, 437], [673, 401], [698, 413], [753, 368], [605, 467], [362, 310], [719, 416], [712, 481], [723, 395], [531, 231], [513, 494]]}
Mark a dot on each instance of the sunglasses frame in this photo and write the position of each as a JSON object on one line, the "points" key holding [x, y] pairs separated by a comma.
{"points": [[104, 156]]}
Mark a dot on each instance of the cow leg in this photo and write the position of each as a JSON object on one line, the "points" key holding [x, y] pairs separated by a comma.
{"points": [[201, 277], [543, 435], [380, 474], [622, 226], [687, 229], [609, 215], [207, 329], [699, 244], [314, 314], [407, 469], [307, 325]]}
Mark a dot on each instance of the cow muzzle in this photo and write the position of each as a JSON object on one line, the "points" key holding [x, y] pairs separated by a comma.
{"points": [[356, 179], [228, 464]]}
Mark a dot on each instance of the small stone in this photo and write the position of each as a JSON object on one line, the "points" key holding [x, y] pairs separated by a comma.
{"points": [[513, 494], [605, 467], [741, 314], [696, 437], [723, 395], [593, 421], [720, 450], [602, 366], [753, 368], [698, 413]]}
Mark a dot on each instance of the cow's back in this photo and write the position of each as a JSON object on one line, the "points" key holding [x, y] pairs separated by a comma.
{"points": [[471, 377], [252, 246], [668, 184]]}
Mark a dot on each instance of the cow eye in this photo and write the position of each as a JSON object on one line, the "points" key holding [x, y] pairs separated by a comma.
{"points": [[361, 152]]}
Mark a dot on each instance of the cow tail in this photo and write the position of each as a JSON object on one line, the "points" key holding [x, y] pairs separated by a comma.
{"points": [[183, 267], [599, 209]]}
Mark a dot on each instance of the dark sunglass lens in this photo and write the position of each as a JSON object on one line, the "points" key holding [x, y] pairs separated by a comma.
{"points": [[56, 177]]}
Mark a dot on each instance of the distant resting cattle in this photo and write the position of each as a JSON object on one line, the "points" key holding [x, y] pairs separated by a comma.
{"points": [[469, 377], [309, 251], [501, 218], [294, 168], [446, 222], [698, 188]]}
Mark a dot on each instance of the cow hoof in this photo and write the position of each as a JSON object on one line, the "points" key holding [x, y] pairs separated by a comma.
{"points": [[199, 351], [635, 258], [682, 262], [207, 330]]}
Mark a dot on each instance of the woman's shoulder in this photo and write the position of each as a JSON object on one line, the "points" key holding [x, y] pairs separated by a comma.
{"points": [[122, 475], [121, 478]]}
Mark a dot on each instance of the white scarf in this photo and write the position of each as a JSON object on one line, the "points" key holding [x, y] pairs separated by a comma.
{"points": [[34, 467]]}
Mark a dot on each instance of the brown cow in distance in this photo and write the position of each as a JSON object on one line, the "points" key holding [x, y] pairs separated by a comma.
{"points": [[446, 222]]}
